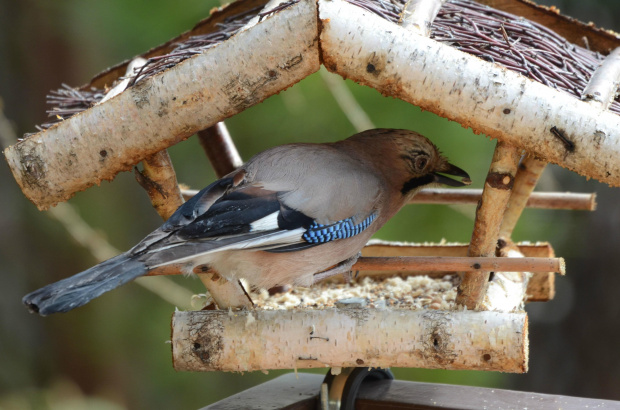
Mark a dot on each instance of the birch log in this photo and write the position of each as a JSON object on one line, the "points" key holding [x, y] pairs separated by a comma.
{"points": [[599, 93], [164, 109], [484, 96], [283, 339]]}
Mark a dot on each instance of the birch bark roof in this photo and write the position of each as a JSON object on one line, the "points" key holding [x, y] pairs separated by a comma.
{"points": [[224, 66]]}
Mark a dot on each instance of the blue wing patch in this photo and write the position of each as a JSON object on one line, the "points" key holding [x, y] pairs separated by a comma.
{"points": [[319, 233]]}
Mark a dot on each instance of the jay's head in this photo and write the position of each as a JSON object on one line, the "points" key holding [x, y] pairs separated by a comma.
{"points": [[412, 160]]}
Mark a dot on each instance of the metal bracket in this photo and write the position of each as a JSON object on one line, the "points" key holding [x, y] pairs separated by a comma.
{"points": [[339, 392]]}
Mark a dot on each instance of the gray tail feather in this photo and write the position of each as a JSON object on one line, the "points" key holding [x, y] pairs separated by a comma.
{"points": [[77, 290]]}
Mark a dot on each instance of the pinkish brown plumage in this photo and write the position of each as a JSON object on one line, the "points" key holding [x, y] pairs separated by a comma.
{"points": [[288, 214]]}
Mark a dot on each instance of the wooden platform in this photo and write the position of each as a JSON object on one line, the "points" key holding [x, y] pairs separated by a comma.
{"points": [[301, 392]]}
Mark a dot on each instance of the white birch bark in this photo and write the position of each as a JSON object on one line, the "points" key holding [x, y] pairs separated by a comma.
{"points": [[122, 85], [484, 96], [162, 110], [261, 340], [507, 291], [604, 83]]}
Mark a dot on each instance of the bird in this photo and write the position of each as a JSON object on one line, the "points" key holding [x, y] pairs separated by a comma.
{"points": [[292, 215]]}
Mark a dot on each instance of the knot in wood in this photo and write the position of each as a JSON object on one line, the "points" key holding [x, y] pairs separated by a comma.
{"points": [[500, 180]]}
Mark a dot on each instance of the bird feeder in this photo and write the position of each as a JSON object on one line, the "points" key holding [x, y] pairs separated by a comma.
{"points": [[505, 71]]}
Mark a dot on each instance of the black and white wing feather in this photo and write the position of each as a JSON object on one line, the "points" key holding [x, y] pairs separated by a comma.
{"points": [[248, 217], [275, 209]]}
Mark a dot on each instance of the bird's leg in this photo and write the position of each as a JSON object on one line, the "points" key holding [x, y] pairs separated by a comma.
{"points": [[343, 268]]}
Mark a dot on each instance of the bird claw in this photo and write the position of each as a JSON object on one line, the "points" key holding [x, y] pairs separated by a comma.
{"points": [[343, 268]]}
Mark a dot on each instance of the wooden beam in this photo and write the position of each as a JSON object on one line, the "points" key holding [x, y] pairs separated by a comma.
{"points": [[445, 264], [447, 196], [281, 339], [377, 247], [541, 200], [291, 391], [475, 265]]}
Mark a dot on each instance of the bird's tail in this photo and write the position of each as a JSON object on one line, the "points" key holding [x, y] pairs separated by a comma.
{"points": [[80, 289]]}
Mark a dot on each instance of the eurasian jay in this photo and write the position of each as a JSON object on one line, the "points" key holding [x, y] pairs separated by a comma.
{"points": [[290, 215]]}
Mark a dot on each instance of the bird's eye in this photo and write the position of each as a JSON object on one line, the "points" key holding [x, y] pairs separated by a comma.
{"points": [[420, 163]]}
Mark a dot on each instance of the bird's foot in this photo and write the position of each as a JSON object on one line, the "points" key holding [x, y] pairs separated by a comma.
{"points": [[343, 268]]}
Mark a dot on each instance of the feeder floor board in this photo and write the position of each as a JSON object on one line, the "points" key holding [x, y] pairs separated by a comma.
{"points": [[394, 322]]}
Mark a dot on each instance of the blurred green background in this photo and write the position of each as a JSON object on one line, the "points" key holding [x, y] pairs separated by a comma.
{"points": [[112, 353]]}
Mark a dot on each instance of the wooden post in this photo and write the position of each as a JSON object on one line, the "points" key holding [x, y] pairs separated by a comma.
{"points": [[489, 214], [530, 170], [224, 158], [220, 149], [160, 182]]}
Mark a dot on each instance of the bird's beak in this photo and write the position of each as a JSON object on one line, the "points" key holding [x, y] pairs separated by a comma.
{"points": [[450, 169]]}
